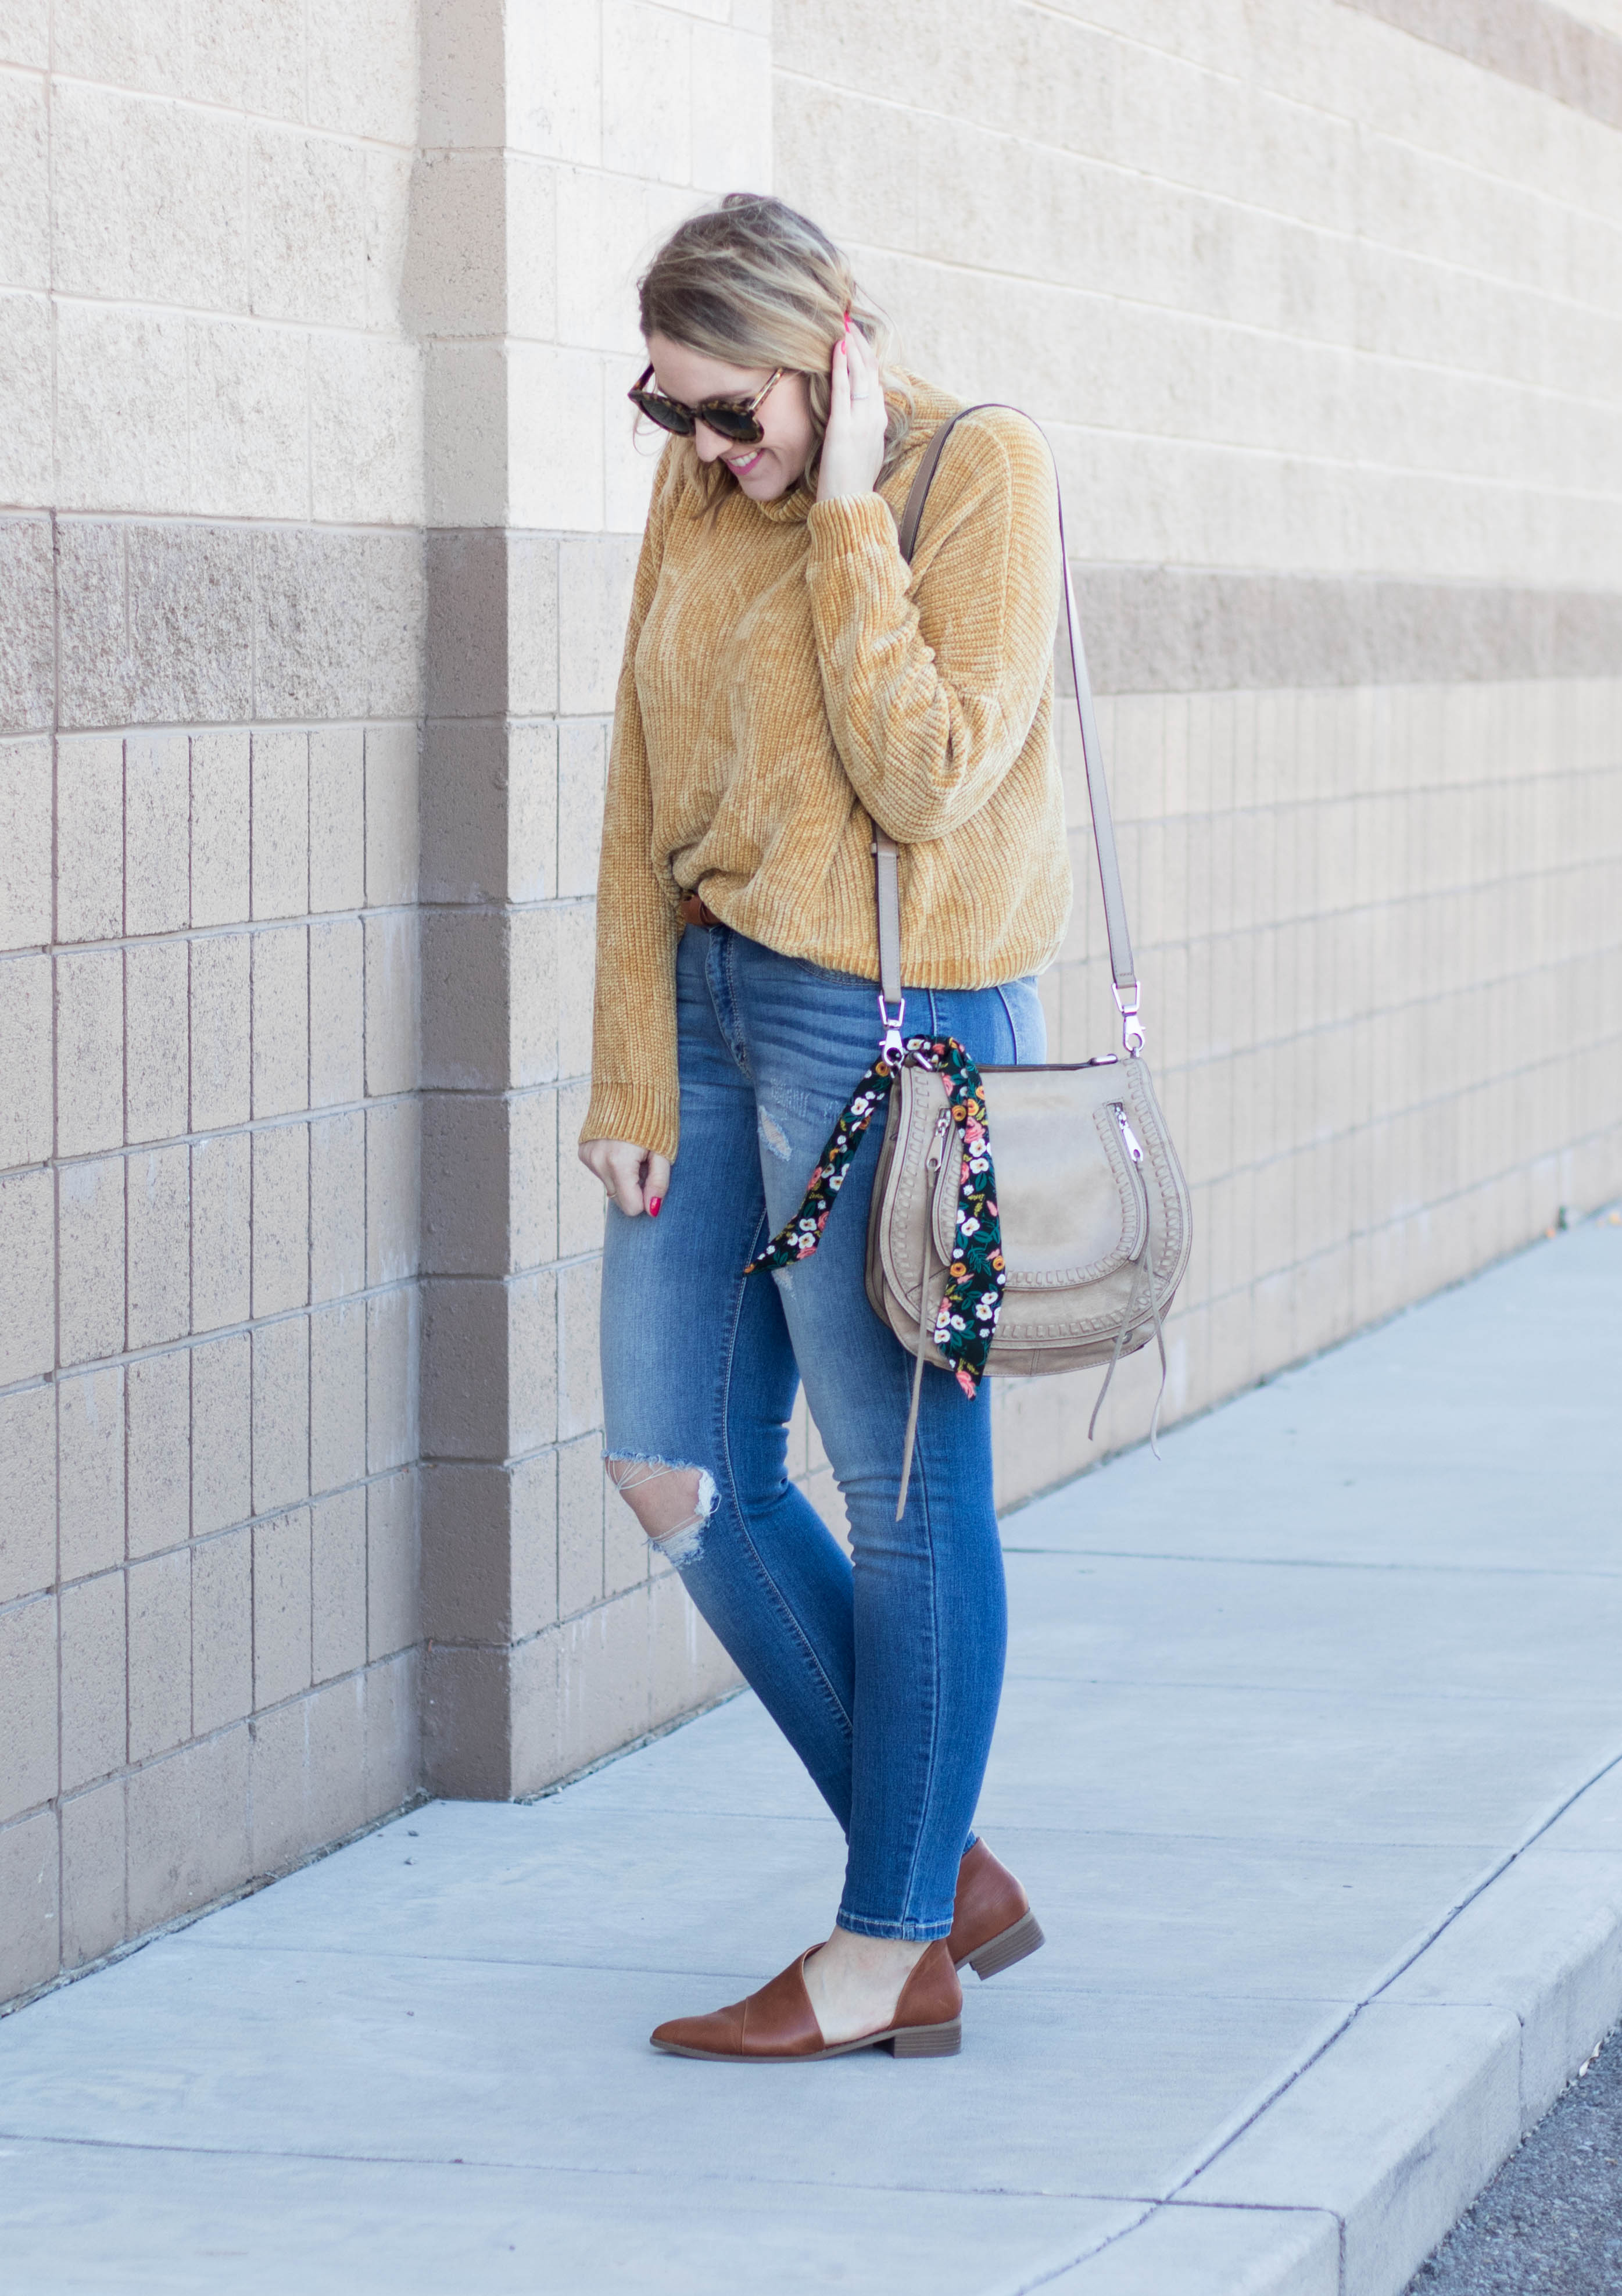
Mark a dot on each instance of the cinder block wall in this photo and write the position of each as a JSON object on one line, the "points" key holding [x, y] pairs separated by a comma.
{"points": [[1323, 319], [212, 600], [318, 506]]}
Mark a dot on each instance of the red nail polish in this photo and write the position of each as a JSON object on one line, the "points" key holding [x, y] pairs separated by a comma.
{"points": [[653, 1204]]}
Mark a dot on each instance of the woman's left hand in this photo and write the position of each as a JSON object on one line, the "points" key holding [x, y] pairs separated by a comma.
{"points": [[853, 444]]}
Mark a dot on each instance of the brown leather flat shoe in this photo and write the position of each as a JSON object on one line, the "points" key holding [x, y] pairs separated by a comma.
{"points": [[778, 2025], [993, 1925]]}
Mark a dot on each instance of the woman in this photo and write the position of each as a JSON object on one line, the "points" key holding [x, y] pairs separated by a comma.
{"points": [[789, 682]]}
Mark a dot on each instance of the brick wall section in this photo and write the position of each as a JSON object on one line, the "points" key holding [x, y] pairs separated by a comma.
{"points": [[212, 599]]}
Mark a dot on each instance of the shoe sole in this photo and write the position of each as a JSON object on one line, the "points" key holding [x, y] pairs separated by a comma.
{"points": [[900, 2040], [1000, 1953]]}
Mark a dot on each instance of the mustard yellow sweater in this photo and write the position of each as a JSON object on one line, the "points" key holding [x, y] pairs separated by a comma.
{"points": [[786, 681]]}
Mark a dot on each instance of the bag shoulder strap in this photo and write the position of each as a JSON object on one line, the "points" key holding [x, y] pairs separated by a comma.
{"points": [[884, 850]]}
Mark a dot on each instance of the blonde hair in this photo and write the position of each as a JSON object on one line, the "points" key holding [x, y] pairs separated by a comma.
{"points": [[756, 284]]}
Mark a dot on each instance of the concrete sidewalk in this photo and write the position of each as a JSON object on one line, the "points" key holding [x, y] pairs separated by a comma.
{"points": [[1311, 1756]]}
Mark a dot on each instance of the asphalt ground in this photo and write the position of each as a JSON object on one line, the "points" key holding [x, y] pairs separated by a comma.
{"points": [[1549, 2223]]}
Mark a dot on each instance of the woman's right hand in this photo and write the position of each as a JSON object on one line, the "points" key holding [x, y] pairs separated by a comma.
{"points": [[636, 1179]]}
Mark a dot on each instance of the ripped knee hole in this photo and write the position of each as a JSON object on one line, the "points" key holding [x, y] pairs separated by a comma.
{"points": [[672, 1504]]}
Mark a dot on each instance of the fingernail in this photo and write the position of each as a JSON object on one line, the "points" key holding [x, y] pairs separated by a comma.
{"points": [[653, 1204]]}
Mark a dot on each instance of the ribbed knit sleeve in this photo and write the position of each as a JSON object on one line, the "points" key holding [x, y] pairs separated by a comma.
{"points": [[932, 694], [636, 1095]]}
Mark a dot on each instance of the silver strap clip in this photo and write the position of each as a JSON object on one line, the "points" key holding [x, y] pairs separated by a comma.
{"points": [[1126, 1006], [892, 1046]]}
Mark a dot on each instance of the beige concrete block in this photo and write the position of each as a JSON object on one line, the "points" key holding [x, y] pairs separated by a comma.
{"points": [[338, 817], [28, 1667], [32, 694], [338, 1395], [90, 1471], [158, 1051], [90, 1260], [604, 1667], [313, 633], [158, 1406], [221, 1200], [579, 1379], [467, 1370], [395, 563], [605, 234], [156, 805], [365, 429], [91, 1680], [465, 428], [391, 1379], [222, 1630], [281, 1788], [26, 1117], [220, 824], [160, 1655], [280, 824], [28, 1276], [392, 1733], [280, 1413], [391, 814], [391, 1565], [465, 1184], [28, 1492], [467, 997], [30, 1949], [547, 485], [531, 249], [388, 180], [335, 1794], [575, 975], [25, 189], [249, 419], [159, 1188], [90, 1050], [121, 408], [338, 1585], [90, 838], [93, 1857], [392, 999], [582, 775], [281, 1021], [222, 1433], [363, 71], [25, 844], [337, 1012], [338, 1206], [537, 957], [466, 1542], [531, 625], [281, 1607], [533, 860], [222, 1031], [580, 1198], [188, 1829], [394, 1190], [595, 578], [148, 199], [532, 1128], [646, 91], [687, 1666], [249, 54], [581, 1485], [553, 85], [309, 228], [190, 666], [732, 106]]}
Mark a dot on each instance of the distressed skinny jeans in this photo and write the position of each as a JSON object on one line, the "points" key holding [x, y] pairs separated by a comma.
{"points": [[884, 1672]]}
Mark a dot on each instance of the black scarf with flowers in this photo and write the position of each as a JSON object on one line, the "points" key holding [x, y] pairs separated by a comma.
{"points": [[967, 1317]]}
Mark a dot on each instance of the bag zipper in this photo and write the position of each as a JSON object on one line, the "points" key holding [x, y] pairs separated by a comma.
{"points": [[1129, 1139]]}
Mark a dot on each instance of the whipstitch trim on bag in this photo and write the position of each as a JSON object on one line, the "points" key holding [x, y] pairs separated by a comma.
{"points": [[967, 1317]]}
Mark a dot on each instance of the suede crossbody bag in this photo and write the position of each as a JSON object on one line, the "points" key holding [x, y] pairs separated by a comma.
{"points": [[1023, 1219]]}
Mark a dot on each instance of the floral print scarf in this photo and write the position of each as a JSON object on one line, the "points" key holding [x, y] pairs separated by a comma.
{"points": [[967, 1316]]}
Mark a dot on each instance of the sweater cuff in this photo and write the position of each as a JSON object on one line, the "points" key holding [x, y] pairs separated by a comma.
{"points": [[625, 1111], [850, 523]]}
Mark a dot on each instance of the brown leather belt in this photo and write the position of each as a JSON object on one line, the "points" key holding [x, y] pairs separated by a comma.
{"points": [[692, 911]]}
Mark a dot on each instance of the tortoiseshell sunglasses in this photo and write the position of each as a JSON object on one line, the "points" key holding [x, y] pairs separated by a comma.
{"points": [[729, 418]]}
